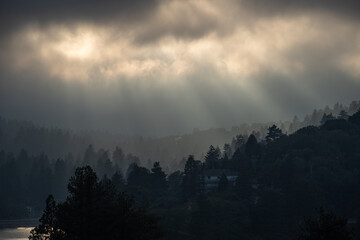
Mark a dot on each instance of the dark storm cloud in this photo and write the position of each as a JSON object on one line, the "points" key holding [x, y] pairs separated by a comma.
{"points": [[15, 13], [344, 8], [182, 20], [150, 20], [196, 19]]}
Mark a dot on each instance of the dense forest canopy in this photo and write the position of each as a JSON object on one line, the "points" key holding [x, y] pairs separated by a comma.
{"points": [[279, 180]]}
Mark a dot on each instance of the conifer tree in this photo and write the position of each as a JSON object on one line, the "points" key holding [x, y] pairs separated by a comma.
{"points": [[223, 183], [273, 133], [47, 230]]}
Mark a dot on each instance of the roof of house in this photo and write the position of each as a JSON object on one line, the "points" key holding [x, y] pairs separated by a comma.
{"points": [[219, 172]]}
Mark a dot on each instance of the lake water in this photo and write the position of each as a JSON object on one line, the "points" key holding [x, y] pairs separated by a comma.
{"points": [[17, 229], [19, 233]]}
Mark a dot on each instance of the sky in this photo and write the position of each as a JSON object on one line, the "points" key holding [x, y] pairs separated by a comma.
{"points": [[147, 67]]}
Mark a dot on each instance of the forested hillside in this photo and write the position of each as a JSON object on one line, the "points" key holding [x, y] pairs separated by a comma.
{"points": [[280, 180], [169, 151]]}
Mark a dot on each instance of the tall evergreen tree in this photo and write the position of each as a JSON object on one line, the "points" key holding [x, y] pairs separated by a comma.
{"points": [[251, 146], [212, 157], [47, 229], [158, 176], [273, 133], [94, 210], [191, 180]]}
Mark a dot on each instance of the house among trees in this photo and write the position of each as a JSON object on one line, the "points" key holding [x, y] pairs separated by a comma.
{"points": [[212, 178]]}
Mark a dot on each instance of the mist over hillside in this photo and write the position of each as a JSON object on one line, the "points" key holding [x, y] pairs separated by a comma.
{"points": [[248, 184], [170, 151]]}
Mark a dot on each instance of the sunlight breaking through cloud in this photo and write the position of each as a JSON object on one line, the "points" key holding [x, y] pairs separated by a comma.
{"points": [[228, 49]]}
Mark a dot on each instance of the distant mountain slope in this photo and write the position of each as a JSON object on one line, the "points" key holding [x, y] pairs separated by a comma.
{"points": [[170, 150]]}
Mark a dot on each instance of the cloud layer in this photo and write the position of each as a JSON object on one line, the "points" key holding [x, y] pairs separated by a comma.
{"points": [[165, 67]]}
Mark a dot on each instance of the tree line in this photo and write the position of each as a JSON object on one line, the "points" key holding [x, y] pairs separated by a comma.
{"points": [[281, 179], [169, 151], [25, 180]]}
